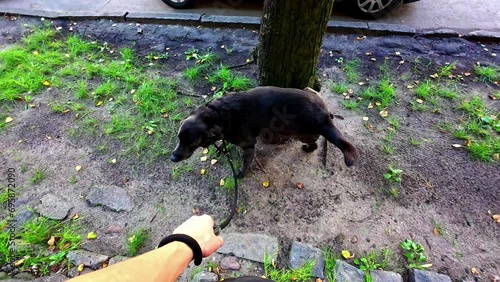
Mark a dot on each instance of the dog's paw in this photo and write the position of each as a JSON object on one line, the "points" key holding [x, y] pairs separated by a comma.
{"points": [[309, 148]]}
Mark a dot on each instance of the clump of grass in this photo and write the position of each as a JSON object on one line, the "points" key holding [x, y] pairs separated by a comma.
{"points": [[373, 261], [351, 70], [229, 80], [192, 73], [339, 88], [447, 70], [38, 176], [487, 74], [302, 274], [330, 263], [384, 94], [136, 241], [425, 90], [351, 104]]}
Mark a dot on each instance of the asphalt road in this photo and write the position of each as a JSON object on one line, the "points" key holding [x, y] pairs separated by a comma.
{"points": [[460, 15]]}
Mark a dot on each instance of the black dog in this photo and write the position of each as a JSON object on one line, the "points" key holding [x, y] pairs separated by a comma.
{"points": [[268, 112]]}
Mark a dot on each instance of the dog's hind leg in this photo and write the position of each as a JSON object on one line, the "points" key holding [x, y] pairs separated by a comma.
{"points": [[333, 135], [310, 143], [248, 156]]}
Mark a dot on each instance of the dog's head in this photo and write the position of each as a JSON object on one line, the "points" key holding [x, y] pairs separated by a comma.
{"points": [[198, 130]]}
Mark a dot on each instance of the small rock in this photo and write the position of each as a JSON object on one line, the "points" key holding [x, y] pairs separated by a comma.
{"points": [[205, 276], [302, 253], [112, 229], [7, 268], [22, 217], [73, 272], [25, 276], [385, 276], [230, 263], [54, 207], [426, 276], [117, 259], [250, 246], [345, 272], [354, 239], [89, 259], [112, 197], [54, 277]]}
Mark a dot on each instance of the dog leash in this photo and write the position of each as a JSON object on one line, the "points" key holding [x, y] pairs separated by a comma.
{"points": [[218, 228]]}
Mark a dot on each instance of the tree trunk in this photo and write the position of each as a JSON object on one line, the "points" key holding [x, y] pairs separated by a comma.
{"points": [[291, 34]]}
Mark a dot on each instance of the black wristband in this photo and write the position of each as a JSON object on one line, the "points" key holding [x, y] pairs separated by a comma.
{"points": [[188, 240]]}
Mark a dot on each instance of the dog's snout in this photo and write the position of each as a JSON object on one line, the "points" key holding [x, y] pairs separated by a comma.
{"points": [[175, 158]]}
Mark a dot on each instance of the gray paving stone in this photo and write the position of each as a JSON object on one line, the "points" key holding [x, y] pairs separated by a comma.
{"points": [[230, 21], [53, 277], [111, 197], [54, 207], [250, 246], [230, 263], [302, 253], [347, 27], [426, 276], [393, 29], [345, 272], [89, 259], [441, 33], [22, 216], [117, 259], [385, 276], [205, 276]]}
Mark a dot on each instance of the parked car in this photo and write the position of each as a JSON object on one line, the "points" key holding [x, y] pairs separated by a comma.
{"points": [[368, 9]]}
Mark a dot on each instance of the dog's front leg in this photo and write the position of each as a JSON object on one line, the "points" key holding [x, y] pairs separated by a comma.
{"points": [[248, 155]]}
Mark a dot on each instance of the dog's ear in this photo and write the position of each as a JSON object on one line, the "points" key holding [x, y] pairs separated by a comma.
{"points": [[215, 133]]}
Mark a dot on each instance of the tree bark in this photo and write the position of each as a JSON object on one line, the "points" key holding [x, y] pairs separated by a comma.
{"points": [[291, 34]]}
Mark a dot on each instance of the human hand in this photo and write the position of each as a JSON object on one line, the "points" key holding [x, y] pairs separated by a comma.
{"points": [[201, 229]]}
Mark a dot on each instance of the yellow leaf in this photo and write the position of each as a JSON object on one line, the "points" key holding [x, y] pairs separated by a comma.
{"points": [[409, 86], [213, 161], [378, 103], [426, 265], [113, 161], [8, 119], [67, 55], [98, 103], [19, 262], [151, 132], [434, 75], [370, 106], [383, 113], [350, 91], [155, 57], [46, 83], [80, 267], [92, 235], [361, 83], [104, 265], [222, 182], [78, 167], [165, 115], [346, 254], [203, 171], [35, 53], [66, 111], [76, 216], [420, 101], [248, 61], [205, 151], [204, 158], [436, 231], [468, 143], [51, 241], [496, 218], [265, 184]]}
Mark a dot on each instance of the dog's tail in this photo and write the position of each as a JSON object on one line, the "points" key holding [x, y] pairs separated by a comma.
{"points": [[333, 135]]}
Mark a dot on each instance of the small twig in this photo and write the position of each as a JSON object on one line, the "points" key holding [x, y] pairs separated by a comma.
{"points": [[259, 165], [153, 218], [360, 220], [242, 65]]}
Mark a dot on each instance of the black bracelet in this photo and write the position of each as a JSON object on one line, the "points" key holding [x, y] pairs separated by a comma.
{"points": [[188, 240]]}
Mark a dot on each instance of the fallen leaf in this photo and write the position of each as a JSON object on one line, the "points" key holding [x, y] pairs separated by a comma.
{"points": [[76, 216], [8, 119], [360, 37], [426, 265], [402, 62], [350, 91], [205, 151], [346, 254], [492, 97], [496, 157], [196, 211], [496, 218], [474, 271], [378, 103], [436, 231], [456, 146], [155, 57], [35, 53], [213, 88], [319, 280], [46, 83], [434, 75], [361, 83], [409, 86], [66, 111], [98, 103], [368, 53], [78, 167], [113, 161], [248, 61], [300, 185], [80, 267], [105, 264], [19, 262], [51, 241], [420, 101], [203, 171], [222, 182], [366, 118], [398, 53], [132, 91], [370, 106], [468, 143], [151, 132], [384, 113], [373, 59], [204, 158], [165, 115], [213, 161], [92, 235], [48, 137], [265, 184], [467, 73]]}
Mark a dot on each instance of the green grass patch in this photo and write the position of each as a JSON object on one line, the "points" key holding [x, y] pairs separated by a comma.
{"points": [[38, 176], [137, 240], [330, 263], [351, 70], [383, 94], [301, 274], [350, 104], [488, 74], [339, 88], [447, 69]]}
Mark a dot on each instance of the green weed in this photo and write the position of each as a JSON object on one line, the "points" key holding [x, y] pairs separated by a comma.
{"points": [[394, 174], [136, 241], [487, 74], [301, 274], [373, 261], [351, 104], [414, 254], [330, 263], [351, 70], [339, 88], [447, 70], [38, 176], [384, 94]]}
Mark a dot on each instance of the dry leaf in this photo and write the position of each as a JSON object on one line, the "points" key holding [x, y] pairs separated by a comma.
{"points": [[66, 111], [213, 88], [492, 97], [46, 83], [300, 185], [132, 91], [113, 161], [195, 211], [366, 118], [51, 241], [468, 143], [373, 59], [474, 271], [203, 171], [434, 75], [222, 182], [78, 167], [213, 161], [409, 86], [35, 53], [265, 184], [205, 151], [436, 231], [48, 137], [92, 235], [420, 101], [361, 83], [19, 262], [496, 157], [151, 132], [319, 280], [165, 116], [98, 103], [426, 265], [80, 267], [370, 106], [105, 264], [378, 103], [467, 73], [76, 216], [398, 53], [350, 91], [496, 218], [8, 119], [384, 113], [368, 53], [204, 158], [360, 37], [456, 146]]}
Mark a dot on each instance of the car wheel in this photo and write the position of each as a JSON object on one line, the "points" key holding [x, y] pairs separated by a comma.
{"points": [[179, 4], [373, 9]]}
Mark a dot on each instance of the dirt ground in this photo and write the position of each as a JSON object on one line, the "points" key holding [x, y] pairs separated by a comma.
{"points": [[440, 185]]}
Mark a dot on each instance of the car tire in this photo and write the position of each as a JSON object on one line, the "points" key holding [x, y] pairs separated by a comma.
{"points": [[179, 4], [373, 9]]}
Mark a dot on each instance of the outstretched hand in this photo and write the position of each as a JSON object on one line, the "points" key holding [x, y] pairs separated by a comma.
{"points": [[201, 229]]}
